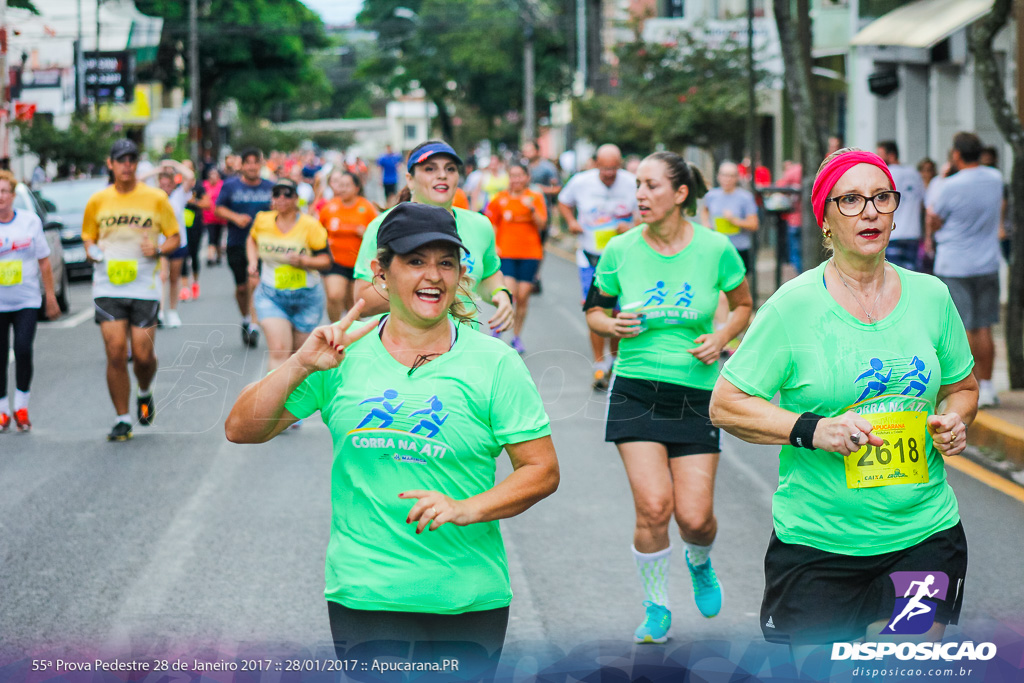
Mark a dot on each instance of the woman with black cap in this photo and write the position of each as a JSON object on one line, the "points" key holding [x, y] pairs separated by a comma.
{"points": [[419, 408], [433, 178], [289, 295]]}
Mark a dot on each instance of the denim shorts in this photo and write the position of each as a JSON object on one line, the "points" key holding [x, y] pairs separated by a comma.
{"points": [[303, 307]]}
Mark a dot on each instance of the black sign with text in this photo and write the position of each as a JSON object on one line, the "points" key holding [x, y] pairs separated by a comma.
{"points": [[110, 76]]}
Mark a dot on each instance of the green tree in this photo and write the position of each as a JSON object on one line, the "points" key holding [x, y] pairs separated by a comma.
{"points": [[84, 144], [981, 37], [254, 51], [690, 93], [467, 53]]}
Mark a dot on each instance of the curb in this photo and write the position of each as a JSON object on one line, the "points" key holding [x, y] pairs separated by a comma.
{"points": [[989, 431]]}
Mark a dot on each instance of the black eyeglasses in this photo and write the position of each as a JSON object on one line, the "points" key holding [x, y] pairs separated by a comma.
{"points": [[853, 204], [283, 192]]}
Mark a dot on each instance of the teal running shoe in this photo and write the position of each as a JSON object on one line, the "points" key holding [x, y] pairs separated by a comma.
{"points": [[655, 626], [707, 592]]}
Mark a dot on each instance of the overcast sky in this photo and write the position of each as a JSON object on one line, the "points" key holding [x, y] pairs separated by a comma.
{"points": [[335, 11]]}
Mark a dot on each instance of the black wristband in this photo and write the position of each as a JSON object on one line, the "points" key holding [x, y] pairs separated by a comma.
{"points": [[802, 435]]}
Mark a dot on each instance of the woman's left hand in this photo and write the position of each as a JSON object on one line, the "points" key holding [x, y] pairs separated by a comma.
{"points": [[502, 318], [295, 259], [949, 433], [435, 509], [52, 307], [709, 348]]}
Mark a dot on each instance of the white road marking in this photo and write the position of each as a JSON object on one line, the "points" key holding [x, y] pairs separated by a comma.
{"points": [[74, 321]]}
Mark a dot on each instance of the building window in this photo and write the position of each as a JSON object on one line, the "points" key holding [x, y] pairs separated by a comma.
{"points": [[410, 132], [674, 9]]}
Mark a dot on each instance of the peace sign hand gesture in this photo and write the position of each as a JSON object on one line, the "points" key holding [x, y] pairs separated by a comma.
{"points": [[324, 349]]}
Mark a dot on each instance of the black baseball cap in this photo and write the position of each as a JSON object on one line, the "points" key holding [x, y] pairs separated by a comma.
{"points": [[409, 226], [123, 148]]}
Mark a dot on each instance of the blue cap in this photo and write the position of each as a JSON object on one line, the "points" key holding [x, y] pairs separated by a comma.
{"points": [[429, 150]]}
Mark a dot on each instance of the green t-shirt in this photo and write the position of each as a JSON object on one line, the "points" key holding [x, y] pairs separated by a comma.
{"points": [[475, 231], [821, 359], [438, 428], [677, 296]]}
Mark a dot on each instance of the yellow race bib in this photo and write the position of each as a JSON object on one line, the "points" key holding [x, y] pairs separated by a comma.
{"points": [[10, 273], [122, 272], [289, 277], [901, 459], [726, 227], [602, 236]]}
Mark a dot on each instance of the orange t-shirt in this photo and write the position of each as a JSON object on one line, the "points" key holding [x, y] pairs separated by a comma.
{"points": [[345, 227], [516, 234], [461, 201]]}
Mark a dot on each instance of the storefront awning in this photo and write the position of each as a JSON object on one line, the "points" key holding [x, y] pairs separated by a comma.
{"points": [[922, 24]]}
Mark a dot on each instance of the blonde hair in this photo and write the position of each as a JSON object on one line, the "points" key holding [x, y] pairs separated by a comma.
{"points": [[9, 177]]}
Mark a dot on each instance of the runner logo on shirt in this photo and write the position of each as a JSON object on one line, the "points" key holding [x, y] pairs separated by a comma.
{"points": [[902, 377], [914, 612], [393, 430], [469, 262], [665, 306]]}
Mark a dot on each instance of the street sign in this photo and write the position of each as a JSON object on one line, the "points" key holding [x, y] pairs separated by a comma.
{"points": [[110, 76]]}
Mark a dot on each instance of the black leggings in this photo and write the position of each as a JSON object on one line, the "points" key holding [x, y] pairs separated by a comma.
{"points": [[24, 323], [195, 239], [473, 639]]}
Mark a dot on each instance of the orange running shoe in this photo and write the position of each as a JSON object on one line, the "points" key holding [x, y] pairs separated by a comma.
{"points": [[21, 418], [186, 293], [195, 290], [5, 422]]}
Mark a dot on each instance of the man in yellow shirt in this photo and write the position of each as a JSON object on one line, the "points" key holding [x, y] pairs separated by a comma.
{"points": [[121, 230]]}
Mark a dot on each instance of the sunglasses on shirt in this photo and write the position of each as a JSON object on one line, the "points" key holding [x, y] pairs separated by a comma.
{"points": [[283, 192]]}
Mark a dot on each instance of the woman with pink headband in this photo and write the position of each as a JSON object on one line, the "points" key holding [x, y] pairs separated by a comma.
{"points": [[873, 370]]}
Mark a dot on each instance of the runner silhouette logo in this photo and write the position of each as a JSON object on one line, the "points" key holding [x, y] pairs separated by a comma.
{"points": [[914, 612]]}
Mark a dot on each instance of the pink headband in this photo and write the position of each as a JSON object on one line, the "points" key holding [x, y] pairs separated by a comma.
{"points": [[835, 169]]}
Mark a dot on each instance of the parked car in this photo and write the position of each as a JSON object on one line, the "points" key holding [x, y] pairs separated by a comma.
{"points": [[69, 198], [24, 200]]}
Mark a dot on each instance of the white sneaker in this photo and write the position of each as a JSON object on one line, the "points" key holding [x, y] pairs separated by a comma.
{"points": [[987, 398], [172, 319]]}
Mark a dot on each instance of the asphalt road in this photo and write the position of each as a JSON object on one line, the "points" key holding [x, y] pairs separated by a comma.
{"points": [[180, 542]]}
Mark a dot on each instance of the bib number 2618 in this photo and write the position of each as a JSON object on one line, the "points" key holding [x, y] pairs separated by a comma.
{"points": [[901, 459]]}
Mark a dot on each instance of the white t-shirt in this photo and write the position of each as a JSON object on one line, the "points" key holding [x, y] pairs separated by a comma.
{"points": [[600, 210], [969, 205], [908, 215], [22, 244], [179, 199]]}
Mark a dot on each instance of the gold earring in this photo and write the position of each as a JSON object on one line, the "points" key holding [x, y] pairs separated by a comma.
{"points": [[827, 233]]}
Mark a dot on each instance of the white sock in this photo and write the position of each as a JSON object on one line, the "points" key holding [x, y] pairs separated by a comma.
{"points": [[699, 554], [985, 386], [145, 394], [653, 571], [247, 320], [125, 418], [4, 405], [20, 400]]}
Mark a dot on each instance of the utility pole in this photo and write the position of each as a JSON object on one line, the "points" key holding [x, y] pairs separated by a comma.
{"points": [[581, 47], [752, 135], [529, 94], [193, 59], [4, 33], [80, 105]]}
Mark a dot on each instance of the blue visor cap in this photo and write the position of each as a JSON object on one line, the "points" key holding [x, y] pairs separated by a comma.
{"points": [[427, 151]]}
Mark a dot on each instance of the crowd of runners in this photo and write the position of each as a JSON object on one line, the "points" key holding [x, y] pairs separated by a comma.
{"points": [[371, 315]]}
